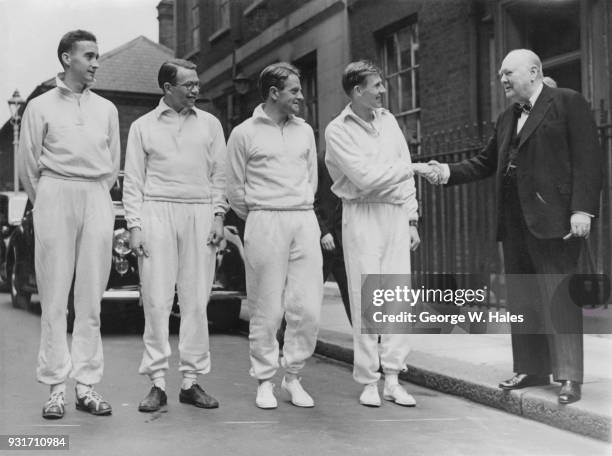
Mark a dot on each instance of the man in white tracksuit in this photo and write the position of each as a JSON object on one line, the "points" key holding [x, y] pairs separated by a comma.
{"points": [[369, 162], [69, 159], [174, 197], [271, 181]]}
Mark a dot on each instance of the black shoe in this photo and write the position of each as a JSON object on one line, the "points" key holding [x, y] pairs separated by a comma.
{"points": [[153, 401], [523, 380], [570, 392], [198, 397]]}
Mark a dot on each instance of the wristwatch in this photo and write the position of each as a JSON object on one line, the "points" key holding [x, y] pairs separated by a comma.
{"points": [[414, 223]]}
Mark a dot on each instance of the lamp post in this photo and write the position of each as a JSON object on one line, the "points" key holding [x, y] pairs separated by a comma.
{"points": [[15, 103]]}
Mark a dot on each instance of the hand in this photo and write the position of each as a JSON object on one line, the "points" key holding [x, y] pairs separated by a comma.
{"points": [[440, 170], [432, 172], [216, 232], [580, 226], [137, 243], [327, 242], [415, 240]]}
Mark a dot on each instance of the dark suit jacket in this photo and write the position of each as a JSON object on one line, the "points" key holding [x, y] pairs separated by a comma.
{"points": [[328, 207], [559, 162]]}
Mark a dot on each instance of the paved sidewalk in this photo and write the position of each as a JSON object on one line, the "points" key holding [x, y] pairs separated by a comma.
{"points": [[471, 365]]}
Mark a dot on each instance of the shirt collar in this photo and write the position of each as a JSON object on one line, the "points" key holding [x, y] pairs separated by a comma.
{"points": [[348, 112], [61, 85], [260, 114], [536, 94], [162, 108]]}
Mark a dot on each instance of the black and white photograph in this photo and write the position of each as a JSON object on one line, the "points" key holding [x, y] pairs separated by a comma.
{"points": [[271, 227]]}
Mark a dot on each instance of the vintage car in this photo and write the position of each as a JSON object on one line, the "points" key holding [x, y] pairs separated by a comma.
{"points": [[122, 296]]}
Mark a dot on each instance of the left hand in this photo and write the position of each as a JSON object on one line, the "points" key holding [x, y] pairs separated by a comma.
{"points": [[580, 226], [415, 240], [216, 232]]}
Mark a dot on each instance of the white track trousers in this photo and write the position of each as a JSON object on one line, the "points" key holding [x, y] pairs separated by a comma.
{"points": [[283, 271], [376, 240], [73, 228], [175, 235]]}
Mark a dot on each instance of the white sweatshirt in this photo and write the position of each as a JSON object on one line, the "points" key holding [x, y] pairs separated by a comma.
{"points": [[369, 162], [270, 167], [174, 157], [70, 136]]}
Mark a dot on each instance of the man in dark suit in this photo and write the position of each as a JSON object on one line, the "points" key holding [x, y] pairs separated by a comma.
{"points": [[547, 163], [328, 209]]}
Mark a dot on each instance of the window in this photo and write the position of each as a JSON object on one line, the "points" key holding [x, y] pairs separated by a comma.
{"points": [[308, 70], [221, 15], [552, 30], [195, 25], [400, 64]]}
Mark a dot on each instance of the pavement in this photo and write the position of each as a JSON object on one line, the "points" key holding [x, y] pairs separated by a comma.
{"points": [[472, 365]]}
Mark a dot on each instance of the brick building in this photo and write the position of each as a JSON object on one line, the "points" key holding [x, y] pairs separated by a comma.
{"points": [[240, 37], [440, 59], [127, 76]]}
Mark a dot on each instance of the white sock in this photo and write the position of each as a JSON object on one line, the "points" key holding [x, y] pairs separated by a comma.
{"points": [[81, 389], [391, 379], [160, 382], [188, 381], [58, 388]]}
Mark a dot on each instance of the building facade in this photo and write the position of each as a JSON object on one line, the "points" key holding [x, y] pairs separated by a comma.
{"points": [[440, 60]]}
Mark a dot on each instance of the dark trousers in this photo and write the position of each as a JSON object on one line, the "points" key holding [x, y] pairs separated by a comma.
{"points": [[550, 339], [333, 263]]}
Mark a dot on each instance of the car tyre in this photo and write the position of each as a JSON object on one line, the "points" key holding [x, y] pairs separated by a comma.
{"points": [[19, 298], [224, 314]]}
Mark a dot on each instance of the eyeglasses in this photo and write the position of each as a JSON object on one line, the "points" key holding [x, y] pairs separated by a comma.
{"points": [[189, 85]]}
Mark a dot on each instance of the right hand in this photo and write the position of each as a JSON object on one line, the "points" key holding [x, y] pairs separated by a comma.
{"points": [[327, 242], [431, 171], [137, 243]]}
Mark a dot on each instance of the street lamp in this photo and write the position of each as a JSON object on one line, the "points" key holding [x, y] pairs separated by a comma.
{"points": [[15, 103]]}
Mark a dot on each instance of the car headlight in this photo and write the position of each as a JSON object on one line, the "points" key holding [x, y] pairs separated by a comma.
{"points": [[122, 265], [121, 242]]}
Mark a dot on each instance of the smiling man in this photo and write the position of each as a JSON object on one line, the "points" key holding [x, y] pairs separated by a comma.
{"points": [[69, 153], [174, 197], [271, 181], [547, 163], [369, 161]]}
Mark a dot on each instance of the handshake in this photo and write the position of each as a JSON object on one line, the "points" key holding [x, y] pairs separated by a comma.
{"points": [[433, 171]]}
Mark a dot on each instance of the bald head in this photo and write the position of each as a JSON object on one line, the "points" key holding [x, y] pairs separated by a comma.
{"points": [[521, 74]]}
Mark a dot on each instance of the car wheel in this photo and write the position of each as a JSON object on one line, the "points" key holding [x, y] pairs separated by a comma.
{"points": [[20, 299], [224, 314]]}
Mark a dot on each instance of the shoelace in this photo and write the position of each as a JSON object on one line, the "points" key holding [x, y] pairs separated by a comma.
{"points": [[56, 398], [92, 395]]}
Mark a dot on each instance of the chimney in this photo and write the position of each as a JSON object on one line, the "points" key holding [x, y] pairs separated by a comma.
{"points": [[165, 17]]}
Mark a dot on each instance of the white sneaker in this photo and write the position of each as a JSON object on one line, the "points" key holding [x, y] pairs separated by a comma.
{"points": [[265, 396], [396, 393], [369, 396], [299, 397]]}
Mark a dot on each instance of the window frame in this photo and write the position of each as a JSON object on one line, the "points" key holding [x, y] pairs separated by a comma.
{"points": [[414, 68]]}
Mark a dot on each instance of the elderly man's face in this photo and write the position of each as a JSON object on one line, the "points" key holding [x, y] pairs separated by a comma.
{"points": [[517, 74]]}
